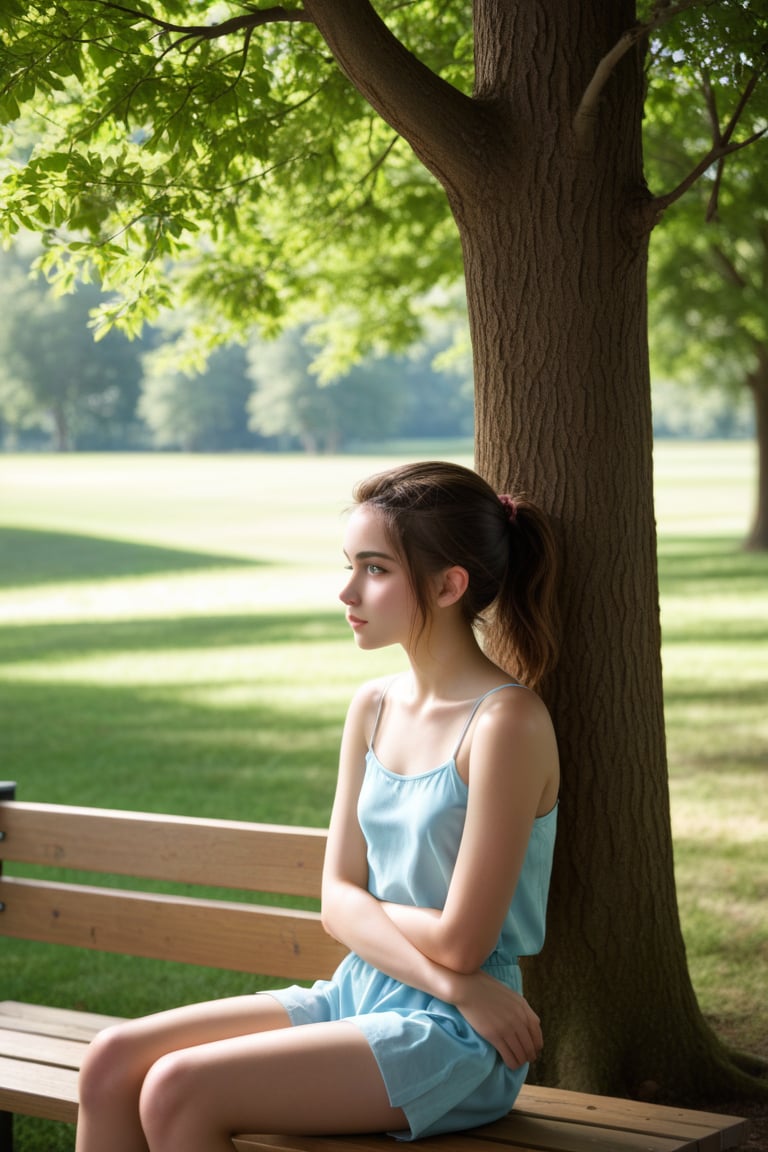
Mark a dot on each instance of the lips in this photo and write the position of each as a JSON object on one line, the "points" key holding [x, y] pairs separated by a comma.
{"points": [[355, 621]]}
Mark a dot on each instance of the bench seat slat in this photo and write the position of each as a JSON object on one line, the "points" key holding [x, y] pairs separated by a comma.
{"points": [[64, 1023], [612, 1112], [459, 1141], [521, 1133], [38, 1090], [42, 1049], [283, 943], [219, 853]]}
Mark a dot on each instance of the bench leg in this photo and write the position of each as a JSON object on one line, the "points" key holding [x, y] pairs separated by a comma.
{"points": [[6, 1131]]}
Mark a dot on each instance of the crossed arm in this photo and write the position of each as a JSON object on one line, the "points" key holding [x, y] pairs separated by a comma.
{"points": [[440, 951]]}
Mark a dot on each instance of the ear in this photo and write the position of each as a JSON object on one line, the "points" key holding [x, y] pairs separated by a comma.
{"points": [[451, 585]]}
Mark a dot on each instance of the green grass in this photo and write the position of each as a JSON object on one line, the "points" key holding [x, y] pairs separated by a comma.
{"points": [[171, 641]]}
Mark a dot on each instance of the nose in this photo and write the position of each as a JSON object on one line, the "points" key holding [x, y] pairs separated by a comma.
{"points": [[348, 595]]}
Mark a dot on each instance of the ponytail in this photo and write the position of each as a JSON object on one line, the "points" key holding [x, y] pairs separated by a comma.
{"points": [[439, 515], [525, 610]]}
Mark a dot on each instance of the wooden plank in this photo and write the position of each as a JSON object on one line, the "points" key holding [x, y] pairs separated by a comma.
{"points": [[284, 943], [42, 1020], [533, 1136], [42, 1049], [38, 1090], [454, 1142], [560, 1136], [708, 1131], [190, 850]]}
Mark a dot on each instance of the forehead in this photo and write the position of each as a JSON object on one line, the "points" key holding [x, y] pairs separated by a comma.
{"points": [[366, 531]]}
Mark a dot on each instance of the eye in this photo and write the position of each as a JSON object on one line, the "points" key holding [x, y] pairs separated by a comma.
{"points": [[374, 570]]}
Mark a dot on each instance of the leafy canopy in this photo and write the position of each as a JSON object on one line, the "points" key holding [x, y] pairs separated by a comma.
{"points": [[216, 152]]}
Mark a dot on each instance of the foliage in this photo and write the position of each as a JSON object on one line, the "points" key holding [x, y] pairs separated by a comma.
{"points": [[247, 161], [197, 411], [203, 152], [200, 402], [52, 376], [708, 261], [381, 398]]}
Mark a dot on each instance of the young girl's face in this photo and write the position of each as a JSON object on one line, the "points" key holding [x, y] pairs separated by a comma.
{"points": [[380, 603]]}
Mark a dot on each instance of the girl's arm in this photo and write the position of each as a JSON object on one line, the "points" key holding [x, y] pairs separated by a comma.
{"points": [[349, 912], [513, 776], [357, 919]]}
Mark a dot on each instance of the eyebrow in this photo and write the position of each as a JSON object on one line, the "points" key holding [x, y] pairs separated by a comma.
{"points": [[372, 556]]}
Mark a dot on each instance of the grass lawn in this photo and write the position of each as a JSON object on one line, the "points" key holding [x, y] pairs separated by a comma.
{"points": [[171, 641]]}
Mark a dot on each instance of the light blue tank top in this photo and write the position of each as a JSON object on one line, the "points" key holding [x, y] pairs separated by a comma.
{"points": [[413, 827]]}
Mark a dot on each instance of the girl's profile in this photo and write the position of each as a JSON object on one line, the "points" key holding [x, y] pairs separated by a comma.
{"points": [[436, 872]]}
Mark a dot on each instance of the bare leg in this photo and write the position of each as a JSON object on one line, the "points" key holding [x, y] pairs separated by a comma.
{"points": [[316, 1078], [119, 1058]]}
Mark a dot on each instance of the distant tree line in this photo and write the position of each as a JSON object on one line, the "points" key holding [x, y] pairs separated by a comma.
{"points": [[62, 389]]}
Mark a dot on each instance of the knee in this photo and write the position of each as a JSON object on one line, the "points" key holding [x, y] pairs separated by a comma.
{"points": [[167, 1099], [107, 1072]]}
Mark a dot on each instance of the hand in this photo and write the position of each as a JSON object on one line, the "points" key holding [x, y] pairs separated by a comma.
{"points": [[502, 1017]]}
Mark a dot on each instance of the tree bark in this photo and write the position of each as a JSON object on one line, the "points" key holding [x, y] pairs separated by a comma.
{"points": [[61, 426], [554, 226], [757, 539]]}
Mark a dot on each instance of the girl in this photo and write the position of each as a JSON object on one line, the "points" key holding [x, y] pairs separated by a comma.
{"points": [[436, 871]]}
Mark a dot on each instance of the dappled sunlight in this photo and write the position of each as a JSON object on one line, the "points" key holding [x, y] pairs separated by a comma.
{"points": [[722, 818], [222, 591], [699, 489], [195, 648]]}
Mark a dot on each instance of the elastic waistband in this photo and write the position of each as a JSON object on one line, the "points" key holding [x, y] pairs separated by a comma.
{"points": [[496, 964]]}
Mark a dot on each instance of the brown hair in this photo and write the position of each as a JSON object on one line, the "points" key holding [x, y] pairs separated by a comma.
{"points": [[439, 515]]}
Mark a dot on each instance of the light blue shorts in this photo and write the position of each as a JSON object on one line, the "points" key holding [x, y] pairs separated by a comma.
{"points": [[443, 1075]]}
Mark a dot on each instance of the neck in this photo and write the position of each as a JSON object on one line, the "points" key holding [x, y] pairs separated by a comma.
{"points": [[448, 662]]}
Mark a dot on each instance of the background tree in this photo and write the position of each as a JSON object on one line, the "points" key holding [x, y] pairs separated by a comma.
{"points": [[289, 401], [709, 272], [243, 148], [201, 408], [299, 396], [53, 377]]}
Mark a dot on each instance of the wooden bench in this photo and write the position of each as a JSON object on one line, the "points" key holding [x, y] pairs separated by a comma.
{"points": [[41, 1047]]}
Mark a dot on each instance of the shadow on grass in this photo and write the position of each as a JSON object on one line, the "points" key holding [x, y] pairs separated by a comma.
{"points": [[29, 557], [708, 564], [172, 748], [52, 643]]}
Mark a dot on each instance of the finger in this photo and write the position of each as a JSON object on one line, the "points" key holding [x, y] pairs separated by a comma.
{"points": [[513, 1052]]}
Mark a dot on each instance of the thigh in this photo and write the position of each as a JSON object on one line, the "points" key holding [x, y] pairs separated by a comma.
{"points": [[313, 1079], [123, 1053]]}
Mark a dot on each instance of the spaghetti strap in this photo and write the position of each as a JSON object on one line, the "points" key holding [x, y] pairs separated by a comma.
{"points": [[375, 728], [475, 706]]}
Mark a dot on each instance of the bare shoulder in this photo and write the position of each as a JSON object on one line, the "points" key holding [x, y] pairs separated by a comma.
{"points": [[514, 726], [513, 707], [364, 705]]}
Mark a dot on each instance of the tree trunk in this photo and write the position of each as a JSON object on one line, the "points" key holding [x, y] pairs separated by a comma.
{"points": [[555, 244], [61, 426], [758, 382]]}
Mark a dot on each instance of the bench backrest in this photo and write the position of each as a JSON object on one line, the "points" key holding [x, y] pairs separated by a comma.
{"points": [[195, 928]]}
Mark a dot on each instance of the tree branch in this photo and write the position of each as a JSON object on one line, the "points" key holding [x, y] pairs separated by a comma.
{"points": [[586, 113], [444, 127], [727, 268], [279, 14], [248, 21], [722, 146]]}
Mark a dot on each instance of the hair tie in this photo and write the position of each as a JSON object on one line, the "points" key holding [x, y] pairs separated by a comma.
{"points": [[510, 506]]}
